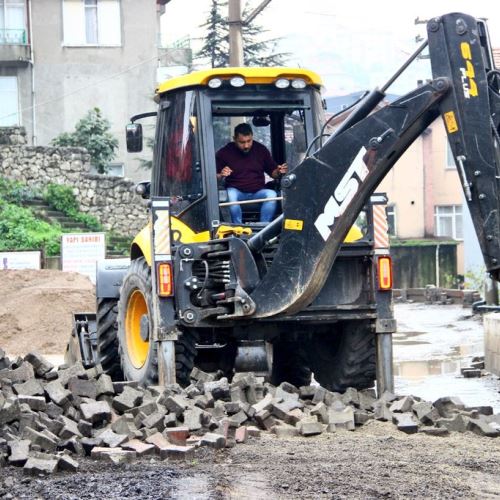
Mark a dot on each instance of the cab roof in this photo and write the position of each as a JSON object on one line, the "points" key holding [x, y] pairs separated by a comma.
{"points": [[251, 76]]}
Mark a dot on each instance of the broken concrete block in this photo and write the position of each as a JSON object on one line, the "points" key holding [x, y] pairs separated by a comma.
{"points": [[253, 431], [482, 428], [57, 393], [405, 422], [471, 372], [211, 440], [241, 434], [104, 386], [40, 365], [403, 405], [85, 428], [170, 420], [155, 421], [482, 410], [53, 410], [36, 403], [177, 435], [74, 446], [140, 448], [70, 428], [264, 404], [96, 412], [82, 388], [31, 387], [75, 370], [366, 399], [19, 375], [67, 463], [457, 423], [293, 416], [362, 416], [89, 444], [381, 411], [38, 466], [113, 455], [309, 426], [343, 419], [175, 452], [157, 440], [351, 397], [112, 439], [41, 439], [199, 375], [176, 404], [426, 412], [219, 389], [284, 431], [127, 399], [307, 391], [19, 451], [321, 411], [192, 419], [447, 406]]}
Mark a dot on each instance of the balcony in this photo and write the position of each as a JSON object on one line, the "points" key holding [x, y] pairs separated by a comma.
{"points": [[14, 48]]}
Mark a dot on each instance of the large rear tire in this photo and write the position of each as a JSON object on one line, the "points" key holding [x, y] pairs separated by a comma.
{"points": [[290, 364], [345, 358], [138, 354], [107, 338]]}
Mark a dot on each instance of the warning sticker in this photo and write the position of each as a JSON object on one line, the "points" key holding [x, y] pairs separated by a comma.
{"points": [[451, 122], [294, 225]]}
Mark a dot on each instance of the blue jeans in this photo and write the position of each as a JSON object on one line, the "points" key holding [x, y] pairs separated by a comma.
{"points": [[267, 210]]}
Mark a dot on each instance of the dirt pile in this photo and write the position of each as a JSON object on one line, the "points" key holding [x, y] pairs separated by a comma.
{"points": [[36, 309]]}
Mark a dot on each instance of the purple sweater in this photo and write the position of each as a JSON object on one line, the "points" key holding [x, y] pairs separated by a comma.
{"points": [[248, 169]]}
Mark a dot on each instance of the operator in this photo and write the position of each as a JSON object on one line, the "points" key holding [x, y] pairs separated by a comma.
{"points": [[242, 163]]}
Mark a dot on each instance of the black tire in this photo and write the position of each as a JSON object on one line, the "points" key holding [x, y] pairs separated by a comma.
{"points": [[290, 364], [137, 290], [107, 338], [344, 358]]}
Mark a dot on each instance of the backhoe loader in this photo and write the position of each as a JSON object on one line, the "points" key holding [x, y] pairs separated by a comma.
{"points": [[311, 292]]}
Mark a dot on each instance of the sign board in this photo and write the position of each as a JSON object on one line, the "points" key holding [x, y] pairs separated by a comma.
{"points": [[81, 251], [20, 260]]}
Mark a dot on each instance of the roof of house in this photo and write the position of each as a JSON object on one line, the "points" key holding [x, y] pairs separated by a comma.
{"points": [[251, 76]]}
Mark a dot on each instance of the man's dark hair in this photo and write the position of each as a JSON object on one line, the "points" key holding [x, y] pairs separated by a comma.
{"points": [[243, 129]]}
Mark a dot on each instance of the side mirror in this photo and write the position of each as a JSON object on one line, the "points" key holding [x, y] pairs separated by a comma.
{"points": [[134, 137], [143, 189]]}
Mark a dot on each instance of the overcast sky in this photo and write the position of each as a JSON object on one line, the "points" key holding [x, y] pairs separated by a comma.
{"points": [[353, 45]]}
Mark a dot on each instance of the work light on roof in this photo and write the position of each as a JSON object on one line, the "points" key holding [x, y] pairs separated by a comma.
{"points": [[237, 81], [282, 83], [298, 83], [214, 83]]}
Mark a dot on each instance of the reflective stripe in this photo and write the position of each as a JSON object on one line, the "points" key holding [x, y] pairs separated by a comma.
{"points": [[380, 227]]}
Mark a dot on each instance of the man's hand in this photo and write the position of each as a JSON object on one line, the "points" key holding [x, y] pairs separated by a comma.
{"points": [[280, 170], [225, 172]]}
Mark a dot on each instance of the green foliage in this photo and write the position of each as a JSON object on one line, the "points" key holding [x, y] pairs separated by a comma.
{"points": [[92, 133], [61, 198], [16, 192], [420, 242], [20, 230], [256, 52], [475, 279]]}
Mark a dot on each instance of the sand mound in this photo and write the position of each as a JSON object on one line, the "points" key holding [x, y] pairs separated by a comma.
{"points": [[36, 309]]}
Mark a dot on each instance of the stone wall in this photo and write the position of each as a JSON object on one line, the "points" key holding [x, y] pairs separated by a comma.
{"points": [[111, 200]]}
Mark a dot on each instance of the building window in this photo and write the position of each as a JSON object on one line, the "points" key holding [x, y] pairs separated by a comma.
{"points": [[9, 101], [450, 159], [92, 22], [448, 221], [390, 212], [12, 22]]}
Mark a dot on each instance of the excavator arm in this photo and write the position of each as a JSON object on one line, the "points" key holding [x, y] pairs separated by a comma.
{"points": [[325, 193]]}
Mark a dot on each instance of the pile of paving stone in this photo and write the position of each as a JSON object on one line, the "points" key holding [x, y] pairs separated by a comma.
{"points": [[49, 418]]}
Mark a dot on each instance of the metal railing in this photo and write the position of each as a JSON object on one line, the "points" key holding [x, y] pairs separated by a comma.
{"points": [[13, 37]]}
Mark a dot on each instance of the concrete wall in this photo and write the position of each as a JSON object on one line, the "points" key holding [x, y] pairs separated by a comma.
{"points": [[491, 323], [112, 200]]}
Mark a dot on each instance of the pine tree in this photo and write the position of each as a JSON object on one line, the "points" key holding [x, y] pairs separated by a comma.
{"points": [[216, 46]]}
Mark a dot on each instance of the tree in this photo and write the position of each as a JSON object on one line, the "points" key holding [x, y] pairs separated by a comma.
{"points": [[216, 45], [256, 52], [92, 133]]}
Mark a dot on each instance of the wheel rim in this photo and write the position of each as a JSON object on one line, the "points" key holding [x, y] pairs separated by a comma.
{"points": [[137, 348]]}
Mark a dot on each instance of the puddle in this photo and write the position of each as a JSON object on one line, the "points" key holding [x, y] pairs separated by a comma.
{"points": [[432, 344]]}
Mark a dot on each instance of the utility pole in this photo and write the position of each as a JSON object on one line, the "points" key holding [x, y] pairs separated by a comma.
{"points": [[235, 28]]}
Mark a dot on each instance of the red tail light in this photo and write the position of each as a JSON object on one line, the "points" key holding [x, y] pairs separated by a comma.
{"points": [[165, 280], [384, 273]]}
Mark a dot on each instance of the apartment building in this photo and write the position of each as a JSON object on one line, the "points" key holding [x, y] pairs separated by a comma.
{"points": [[60, 58]]}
